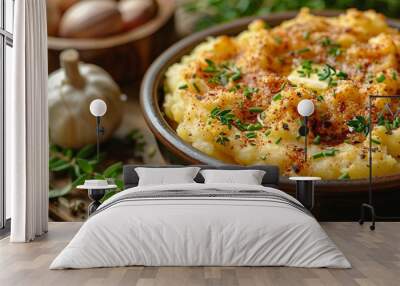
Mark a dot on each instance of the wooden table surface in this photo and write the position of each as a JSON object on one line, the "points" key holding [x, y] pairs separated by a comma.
{"points": [[375, 257]]}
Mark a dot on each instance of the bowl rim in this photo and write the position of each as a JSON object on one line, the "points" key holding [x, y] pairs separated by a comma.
{"points": [[165, 9], [154, 116]]}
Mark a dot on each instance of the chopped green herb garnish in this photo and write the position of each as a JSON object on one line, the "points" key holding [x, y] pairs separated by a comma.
{"points": [[255, 126], [223, 73], [306, 68], [240, 125], [196, 87], [320, 98], [317, 140], [334, 48], [282, 87], [256, 109], [224, 116], [381, 78], [335, 51], [211, 67], [251, 135], [222, 139], [359, 124], [183, 86], [396, 123], [302, 51], [325, 153], [237, 74], [326, 72], [249, 91], [394, 75], [277, 97], [326, 42], [278, 140], [278, 40], [390, 125], [342, 75], [344, 176], [377, 142], [267, 133]]}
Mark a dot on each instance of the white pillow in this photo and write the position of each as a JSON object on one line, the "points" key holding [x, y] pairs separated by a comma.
{"points": [[248, 177], [164, 176]]}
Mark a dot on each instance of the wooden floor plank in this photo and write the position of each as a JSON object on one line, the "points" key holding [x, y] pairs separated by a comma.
{"points": [[375, 257]]}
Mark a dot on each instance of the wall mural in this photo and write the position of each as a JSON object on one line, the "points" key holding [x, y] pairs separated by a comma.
{"points": [[232, 99]]}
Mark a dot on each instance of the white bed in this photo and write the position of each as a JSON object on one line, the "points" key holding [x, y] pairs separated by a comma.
{"points": [[249, 226]]}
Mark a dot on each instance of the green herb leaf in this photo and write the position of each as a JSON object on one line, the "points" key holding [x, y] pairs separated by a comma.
{"points": [[211, 67], [342, 75], [108, 195], [306, 68], [377, 142], [325, 153], [183, 86], [302, 51], [278, 140], [113, 170], [222, 139], [85, 165], [255, 126], [86, 151], [277, 97], [381, 78], [256, 109], [251, 135], [196, 87], [344, 176], [278, 40], [59, 165], [249, 91], [317, 140], [359, 124], [223, 73], [335, 51]]}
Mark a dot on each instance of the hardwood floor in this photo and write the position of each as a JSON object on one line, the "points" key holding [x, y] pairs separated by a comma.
{"points": [[375, 257]]}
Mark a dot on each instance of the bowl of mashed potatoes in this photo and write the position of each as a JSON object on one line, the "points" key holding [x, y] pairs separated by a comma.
{"points": [[229, 95]]}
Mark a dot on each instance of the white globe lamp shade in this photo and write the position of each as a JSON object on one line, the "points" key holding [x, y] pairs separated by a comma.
{"points": [[305, 107], [98, 107]]}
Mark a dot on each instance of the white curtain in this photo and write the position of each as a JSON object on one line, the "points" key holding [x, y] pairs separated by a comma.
{"points": [[27, 124]]}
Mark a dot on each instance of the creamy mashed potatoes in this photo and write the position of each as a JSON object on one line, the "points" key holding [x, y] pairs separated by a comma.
{"points": [[235, 98]]}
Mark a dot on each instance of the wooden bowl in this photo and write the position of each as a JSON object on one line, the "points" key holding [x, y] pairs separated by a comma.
{"points": [[152, 97], [126, 56]]}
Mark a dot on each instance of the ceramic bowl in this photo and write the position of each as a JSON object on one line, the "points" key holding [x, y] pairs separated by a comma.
{"points": [[178, 151]]}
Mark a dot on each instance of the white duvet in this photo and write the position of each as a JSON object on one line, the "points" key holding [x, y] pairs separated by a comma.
{"points": [[200, 231]]}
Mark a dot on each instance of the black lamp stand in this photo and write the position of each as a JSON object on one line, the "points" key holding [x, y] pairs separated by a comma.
{"points": [[305, 137], [99, 132], [369, 206]]}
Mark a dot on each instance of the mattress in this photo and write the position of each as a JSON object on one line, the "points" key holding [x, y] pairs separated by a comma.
{"points": [[201, 225]]}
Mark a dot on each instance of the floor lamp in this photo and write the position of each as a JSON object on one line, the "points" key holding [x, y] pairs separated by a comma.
{"points": [[369, 206], [98, 108], [305, 108]]}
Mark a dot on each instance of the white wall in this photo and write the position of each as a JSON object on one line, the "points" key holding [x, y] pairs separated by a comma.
{"points": [[7, 93]]}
